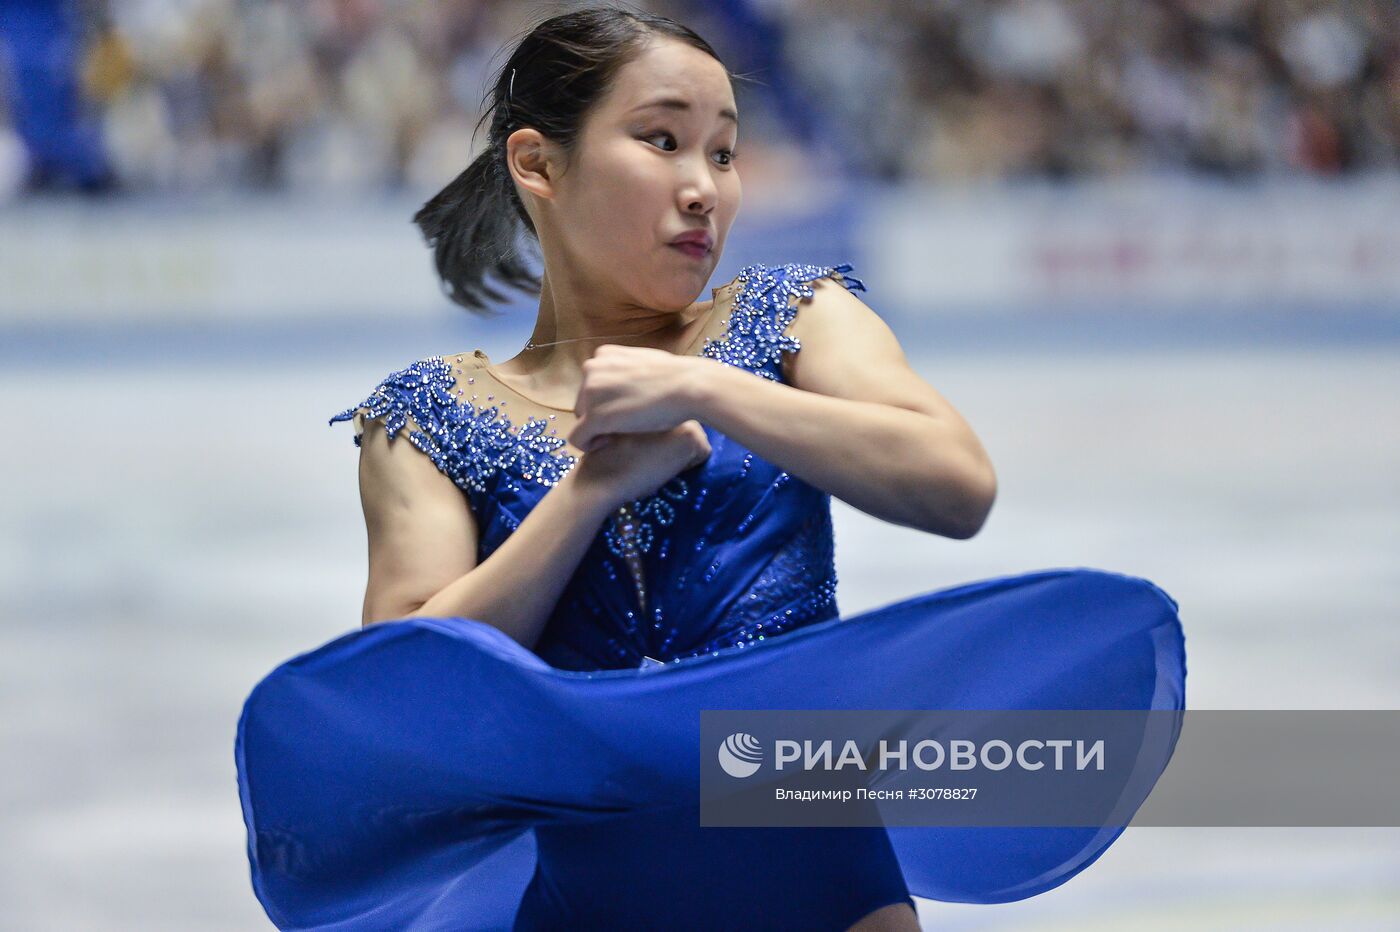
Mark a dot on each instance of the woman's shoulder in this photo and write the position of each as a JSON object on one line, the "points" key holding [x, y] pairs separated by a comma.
{"points": [[409, 394], [758, 331], [798, 274], [428, 379], [470, 444]]}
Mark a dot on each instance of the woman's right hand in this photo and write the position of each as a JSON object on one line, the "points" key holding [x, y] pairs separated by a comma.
{"points": [[629, 466]]}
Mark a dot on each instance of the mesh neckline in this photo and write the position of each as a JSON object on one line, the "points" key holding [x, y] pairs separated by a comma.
{"points": [[695, 348]]}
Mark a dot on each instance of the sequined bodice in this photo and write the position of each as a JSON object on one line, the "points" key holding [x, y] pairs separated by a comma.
{"points": [[729, 552]]}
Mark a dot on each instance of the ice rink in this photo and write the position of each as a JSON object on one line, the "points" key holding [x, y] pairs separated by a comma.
{"points": [[179, 522]]}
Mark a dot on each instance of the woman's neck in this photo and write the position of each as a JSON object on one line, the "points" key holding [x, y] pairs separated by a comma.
{"points": [[568, 333]]}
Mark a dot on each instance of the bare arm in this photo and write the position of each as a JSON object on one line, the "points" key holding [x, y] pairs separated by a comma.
{"points": [[423, 542], [856, 421]]}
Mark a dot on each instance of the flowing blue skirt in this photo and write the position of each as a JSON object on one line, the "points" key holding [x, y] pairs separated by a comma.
{"points": [[434, 774]]}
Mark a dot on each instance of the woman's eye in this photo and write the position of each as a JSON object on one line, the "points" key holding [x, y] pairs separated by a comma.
{"points": [[656, 135], [729, 154]]}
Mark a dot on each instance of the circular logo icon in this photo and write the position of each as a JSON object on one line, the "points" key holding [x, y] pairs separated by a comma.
{"points": [[740, 755]]}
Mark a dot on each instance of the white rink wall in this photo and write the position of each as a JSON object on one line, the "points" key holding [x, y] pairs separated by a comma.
{"points": [[1163, 246]]}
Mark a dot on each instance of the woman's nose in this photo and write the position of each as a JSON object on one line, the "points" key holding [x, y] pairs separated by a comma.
{"points": [[699, 193]]}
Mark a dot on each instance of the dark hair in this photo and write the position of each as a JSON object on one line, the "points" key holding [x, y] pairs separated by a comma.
{"points": [[562, 66]]}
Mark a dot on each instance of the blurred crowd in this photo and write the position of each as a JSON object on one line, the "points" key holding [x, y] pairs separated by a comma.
{"points": [[997, 88], [365, 95]]}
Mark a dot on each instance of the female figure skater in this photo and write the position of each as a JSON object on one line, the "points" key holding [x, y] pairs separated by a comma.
{"points": [[583, 546]]}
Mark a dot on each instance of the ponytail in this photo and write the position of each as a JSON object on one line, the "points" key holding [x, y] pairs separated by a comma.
{"points": [[473, 227]]}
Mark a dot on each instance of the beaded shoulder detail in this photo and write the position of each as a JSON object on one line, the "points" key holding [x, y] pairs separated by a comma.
{"points": [[469, 444], [755, 338], [472, 443]]}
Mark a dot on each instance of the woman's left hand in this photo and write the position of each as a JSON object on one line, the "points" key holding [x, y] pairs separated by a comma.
{"points": [[634, 389]]}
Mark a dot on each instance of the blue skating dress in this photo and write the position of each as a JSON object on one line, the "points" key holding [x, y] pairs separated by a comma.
{"points": [[434, 774]]}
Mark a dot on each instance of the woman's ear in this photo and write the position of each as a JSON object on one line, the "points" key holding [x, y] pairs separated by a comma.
{"points": [[532, 160]]}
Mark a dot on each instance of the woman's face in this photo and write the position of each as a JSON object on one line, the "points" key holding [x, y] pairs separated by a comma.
{"points": [[653, 161]]}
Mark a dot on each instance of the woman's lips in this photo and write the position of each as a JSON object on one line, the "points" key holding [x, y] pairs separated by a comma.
{"points": [[694, 250]]}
